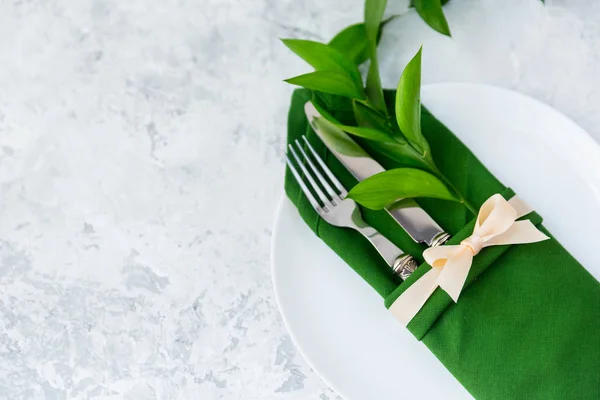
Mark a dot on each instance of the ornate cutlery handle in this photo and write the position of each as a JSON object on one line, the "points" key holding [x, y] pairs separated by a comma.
{"points": [[402, 264]]}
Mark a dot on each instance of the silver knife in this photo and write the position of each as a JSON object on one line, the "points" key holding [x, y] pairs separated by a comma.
{"points": [[415, 221]]}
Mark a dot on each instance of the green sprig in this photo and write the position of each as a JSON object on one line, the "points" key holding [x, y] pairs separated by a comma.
{"points": [[397, 136]]}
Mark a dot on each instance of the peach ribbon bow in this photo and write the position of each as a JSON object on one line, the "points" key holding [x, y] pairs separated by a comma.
{"points": [[496, 225]]}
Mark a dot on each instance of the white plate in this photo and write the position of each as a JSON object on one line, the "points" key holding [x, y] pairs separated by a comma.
{"points": [[339, 323]]}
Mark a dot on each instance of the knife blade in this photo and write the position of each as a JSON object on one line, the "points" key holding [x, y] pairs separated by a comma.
{"points": [[407, 213]]}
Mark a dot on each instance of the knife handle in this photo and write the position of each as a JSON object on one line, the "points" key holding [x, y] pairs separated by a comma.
{"points": [[417, 223], [402, 264]]}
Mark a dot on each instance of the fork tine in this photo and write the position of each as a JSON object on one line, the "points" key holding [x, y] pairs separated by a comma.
{"points": [[307, 193], [311, 180], [333, 195], [327, 171]]}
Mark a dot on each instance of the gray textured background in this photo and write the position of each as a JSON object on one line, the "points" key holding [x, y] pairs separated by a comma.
{"points": [[141, 163]]}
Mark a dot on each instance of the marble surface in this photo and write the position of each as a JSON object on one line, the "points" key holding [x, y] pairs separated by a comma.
{"points": [[141, 163]]}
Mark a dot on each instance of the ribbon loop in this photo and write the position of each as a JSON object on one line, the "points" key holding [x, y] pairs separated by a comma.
{"points": [[496, 224]]}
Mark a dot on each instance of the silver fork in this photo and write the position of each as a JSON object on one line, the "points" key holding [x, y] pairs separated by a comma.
{"points": [[340, 211]]}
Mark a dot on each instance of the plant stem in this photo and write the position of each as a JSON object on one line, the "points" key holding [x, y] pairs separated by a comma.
{"points": [[367, 103], [468, 205], [462, 199], [373, 84]]}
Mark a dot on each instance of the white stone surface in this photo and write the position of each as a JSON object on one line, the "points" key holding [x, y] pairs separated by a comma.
{"points": [[141, 163]]}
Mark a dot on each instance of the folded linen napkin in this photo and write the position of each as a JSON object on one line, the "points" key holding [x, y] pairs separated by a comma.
{"points": [[527, 324]]}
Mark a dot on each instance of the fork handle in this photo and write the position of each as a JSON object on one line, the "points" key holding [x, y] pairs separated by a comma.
{"points": [[402, 264]]}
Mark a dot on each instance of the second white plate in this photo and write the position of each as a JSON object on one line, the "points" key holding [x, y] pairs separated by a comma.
{"points": [[340, 324]]}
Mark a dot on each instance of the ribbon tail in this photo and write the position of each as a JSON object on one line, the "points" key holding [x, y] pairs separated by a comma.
{"points": [[410, 302], [453, 277], [520, 232]]}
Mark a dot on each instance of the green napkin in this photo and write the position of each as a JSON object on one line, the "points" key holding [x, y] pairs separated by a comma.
{"points": [[527, 324]]}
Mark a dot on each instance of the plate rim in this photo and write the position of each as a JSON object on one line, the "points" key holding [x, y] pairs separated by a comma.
{"points": [[584, 138], [582, 134], [275, 229]]}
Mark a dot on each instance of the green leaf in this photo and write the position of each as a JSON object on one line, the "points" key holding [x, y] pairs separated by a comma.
{"points": [[366, 133], [324, 58], [336, 139], [373, 128], [363, 132], [324, 113], [368, 117], [353, 42], [329, 82], [396, 149], [412, 3], [402, 153], [374, 10], [387, 187], [373, 85], [432, 14], [408, 105]]}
